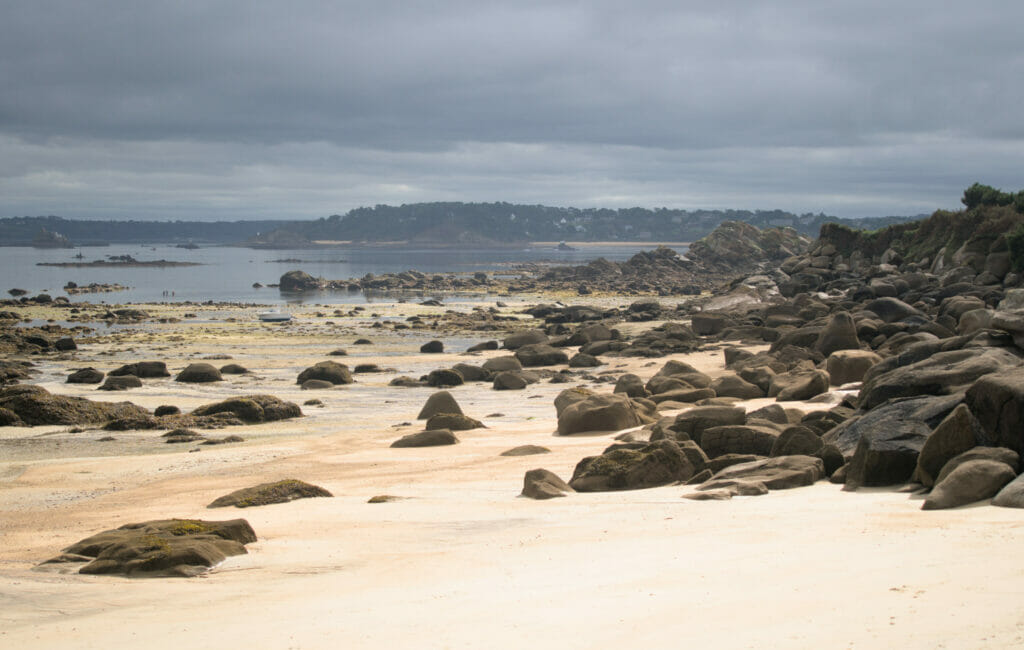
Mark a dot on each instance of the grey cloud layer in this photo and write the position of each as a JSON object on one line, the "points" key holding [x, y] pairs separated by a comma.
{"points": [[324, 105]]}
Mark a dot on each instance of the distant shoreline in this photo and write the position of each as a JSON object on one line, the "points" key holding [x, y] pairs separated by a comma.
{"points": [[105, 264], [594, 244]]}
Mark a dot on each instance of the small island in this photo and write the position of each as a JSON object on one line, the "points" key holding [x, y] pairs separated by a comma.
{"points": [[119, 261]]}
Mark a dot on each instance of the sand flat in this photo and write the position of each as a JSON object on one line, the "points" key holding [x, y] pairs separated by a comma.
{"points": [[461, 561]]}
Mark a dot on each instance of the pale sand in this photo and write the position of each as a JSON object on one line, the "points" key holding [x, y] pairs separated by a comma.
{"points": [[464, 562]]}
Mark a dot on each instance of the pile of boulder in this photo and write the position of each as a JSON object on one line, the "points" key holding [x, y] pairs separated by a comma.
{"points": [[928, 352]]}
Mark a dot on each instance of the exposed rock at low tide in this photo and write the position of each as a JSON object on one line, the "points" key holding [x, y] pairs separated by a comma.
{"points": [[171, 547], [269, 493]]}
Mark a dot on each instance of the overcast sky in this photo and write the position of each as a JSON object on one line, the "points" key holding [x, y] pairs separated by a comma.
{"points": [[270, 109]]}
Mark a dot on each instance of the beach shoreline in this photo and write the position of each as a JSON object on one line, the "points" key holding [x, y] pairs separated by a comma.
{"points": [[460, 559]]}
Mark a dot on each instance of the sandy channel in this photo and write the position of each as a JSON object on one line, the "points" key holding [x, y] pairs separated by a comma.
{"points": [[461, 561]]}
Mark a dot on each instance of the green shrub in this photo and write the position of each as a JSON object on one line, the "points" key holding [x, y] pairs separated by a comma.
{"points": [[1015, 242], [979, 194]]}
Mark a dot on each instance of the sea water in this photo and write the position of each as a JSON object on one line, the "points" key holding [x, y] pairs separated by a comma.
{"points": [[227, 274]]}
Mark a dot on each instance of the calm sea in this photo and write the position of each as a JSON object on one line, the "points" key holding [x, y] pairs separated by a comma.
{"points": [[227, 274]]}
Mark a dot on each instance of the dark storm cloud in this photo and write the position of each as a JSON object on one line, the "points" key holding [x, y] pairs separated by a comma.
{"points": [[302, 109]]}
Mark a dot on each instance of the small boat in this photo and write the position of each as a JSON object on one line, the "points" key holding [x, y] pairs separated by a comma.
{"points": [[274, 316]]}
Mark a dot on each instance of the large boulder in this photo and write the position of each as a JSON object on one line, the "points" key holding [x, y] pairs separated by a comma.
{"points": [[730, 385], [444, 377], [171, 547], [252, 409], [956, 434], [316, 384], [516, 340], [584, 360], [846, 366], [429, 438], [199, 373], [599, 413], [972, 481], [839, 334], [142, 370], [543, 484], [540, 354], [796, 441], [571, 396], [941, 373], [692, 423], [892, 309], [909, 417], [502, 364], [432, 347], [997, 400], [998, 454], [684, 395], [1011, 322], [298, 281], [124, 382], [798, 385], [883, 445], [779, 473], [9, 418], [658, 463], [470, 372], [709, 324], [509, 380], [738, 439], [631, 385], [974, 320], [332, 371], [591, 334], [1011, 496], [678, 370], [12, 372], [440, 402], [453, 422], [85, 376], [35, 405], [268, 493], [65, 344]]}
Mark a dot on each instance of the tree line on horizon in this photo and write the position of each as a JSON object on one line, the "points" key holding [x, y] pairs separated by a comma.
{"points": [[446, 222]]}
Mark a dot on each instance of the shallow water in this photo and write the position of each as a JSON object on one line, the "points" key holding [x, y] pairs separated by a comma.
{"points": [[226, 274]]}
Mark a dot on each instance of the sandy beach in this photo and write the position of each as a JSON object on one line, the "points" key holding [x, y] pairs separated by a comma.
{"points": [[460, 560]]}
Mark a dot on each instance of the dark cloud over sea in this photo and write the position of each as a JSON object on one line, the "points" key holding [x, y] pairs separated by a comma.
{"points": [[203, 110]]}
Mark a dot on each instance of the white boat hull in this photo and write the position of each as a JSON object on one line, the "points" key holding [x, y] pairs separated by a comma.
{"points": [[274, 317]]}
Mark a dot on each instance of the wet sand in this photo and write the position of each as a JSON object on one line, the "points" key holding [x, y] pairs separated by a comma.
{"points": [[461, 560]]}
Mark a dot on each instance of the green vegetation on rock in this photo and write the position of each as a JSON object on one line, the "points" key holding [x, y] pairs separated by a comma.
{"points": [[988, 224]]}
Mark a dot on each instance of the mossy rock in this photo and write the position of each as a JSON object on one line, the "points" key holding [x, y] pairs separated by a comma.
{"points": [[268, 493], [181, 435], [169, 547], [199, 373], [658, 463], [223, 441], [37, 406], [9, 418], [526, 450], [332, 371], [142, 370], [252, 408], [454, 422]]}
